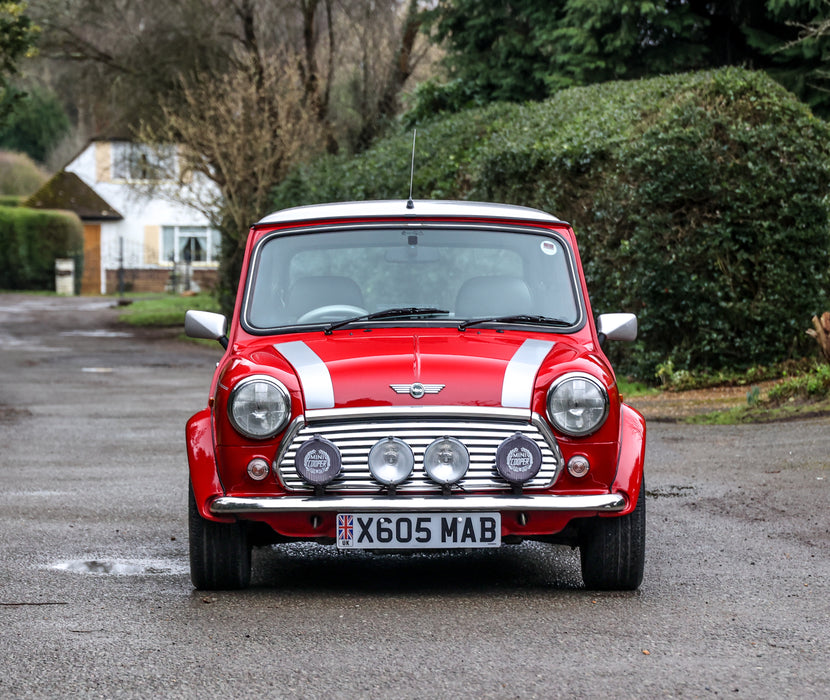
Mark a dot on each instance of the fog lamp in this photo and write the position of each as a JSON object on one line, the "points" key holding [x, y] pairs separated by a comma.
{"points": [[318, 461], [446, 461], [518, 459], [391, 461], [258, 468], [578, 466]]}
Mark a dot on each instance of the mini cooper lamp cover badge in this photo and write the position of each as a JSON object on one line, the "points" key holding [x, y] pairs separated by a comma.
{"points": [[421, 375]]}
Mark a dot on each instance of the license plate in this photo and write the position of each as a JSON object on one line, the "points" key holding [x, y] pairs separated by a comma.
{"points": [[418, 531]]}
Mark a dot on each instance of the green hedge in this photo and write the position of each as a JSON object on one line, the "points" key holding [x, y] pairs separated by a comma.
{"points": [[700, 202], [31, 240]]}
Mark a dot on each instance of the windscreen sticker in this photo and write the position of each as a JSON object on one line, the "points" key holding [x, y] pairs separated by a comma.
{"points": [[548, 247]]}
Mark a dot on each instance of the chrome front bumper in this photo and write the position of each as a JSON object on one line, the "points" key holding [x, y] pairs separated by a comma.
{"points": [[418, 504]]}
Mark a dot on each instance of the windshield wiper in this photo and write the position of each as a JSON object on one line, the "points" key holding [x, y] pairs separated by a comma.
{"points": [[515, 318], [386, 313]]}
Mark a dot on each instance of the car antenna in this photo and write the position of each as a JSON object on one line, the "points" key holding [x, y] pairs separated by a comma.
{"points": [[409, 203]]}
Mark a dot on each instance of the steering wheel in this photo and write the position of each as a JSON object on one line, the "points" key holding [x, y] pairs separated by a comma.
{"points": [[333, 312]]}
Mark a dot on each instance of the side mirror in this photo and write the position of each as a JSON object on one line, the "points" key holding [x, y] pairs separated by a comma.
{"points": [[617, 327], [206, 325]]}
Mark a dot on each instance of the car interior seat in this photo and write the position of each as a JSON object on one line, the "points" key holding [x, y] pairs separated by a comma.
{"points": [[496, 295]]}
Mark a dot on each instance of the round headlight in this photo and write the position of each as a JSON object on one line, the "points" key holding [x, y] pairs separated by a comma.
{"points": [[318, 461], [577, 404], [518, 459], [446, 461], [391, 461], [259, 407]]}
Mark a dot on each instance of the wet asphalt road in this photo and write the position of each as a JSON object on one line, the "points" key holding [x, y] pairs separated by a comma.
{"points": [[95, 598]]}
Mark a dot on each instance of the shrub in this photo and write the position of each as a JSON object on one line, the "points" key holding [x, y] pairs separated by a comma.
{"points": [[813, 386], [700, 202], [36, 122], [19, 176], [31, 240]]}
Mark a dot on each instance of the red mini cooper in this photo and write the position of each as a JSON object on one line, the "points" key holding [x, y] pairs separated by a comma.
{"points": [[414, 375]]}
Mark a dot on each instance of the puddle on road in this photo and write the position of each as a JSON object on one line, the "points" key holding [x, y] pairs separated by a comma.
{"points": [[100, 333], [122, 567], [10, 342], [670, 491], [9, 414]]}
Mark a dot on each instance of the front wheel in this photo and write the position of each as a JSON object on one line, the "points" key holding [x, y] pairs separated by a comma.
{"points": [[220, 553], [612, 550]]}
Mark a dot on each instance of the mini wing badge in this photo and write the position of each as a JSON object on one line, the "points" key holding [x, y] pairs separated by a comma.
{"points": [[417, 390]]}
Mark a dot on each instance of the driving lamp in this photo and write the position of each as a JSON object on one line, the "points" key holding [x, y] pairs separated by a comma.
{"points": [[577, 404], [518, 459], [259, 407], [446, 461], [391, 461], [318, 461]]}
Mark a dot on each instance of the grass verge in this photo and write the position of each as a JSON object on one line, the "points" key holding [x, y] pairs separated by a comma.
{"points": [[165, 311], [630, 389], [806, 395]]}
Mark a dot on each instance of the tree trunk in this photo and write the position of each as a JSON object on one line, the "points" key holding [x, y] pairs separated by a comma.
{"points": [[387, 102], [821, 332]]}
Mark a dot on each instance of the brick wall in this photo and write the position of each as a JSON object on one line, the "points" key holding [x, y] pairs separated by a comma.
{"points": [[136, 281]]}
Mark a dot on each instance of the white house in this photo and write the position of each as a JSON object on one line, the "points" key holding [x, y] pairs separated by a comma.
{"points": [[136, 226]]}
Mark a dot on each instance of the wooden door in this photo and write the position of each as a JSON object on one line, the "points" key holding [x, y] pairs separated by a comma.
{"points": [[91, 278]]}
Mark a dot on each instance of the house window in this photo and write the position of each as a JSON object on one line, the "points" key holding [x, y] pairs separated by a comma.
{"points": [[189, 244], [134, 161]]}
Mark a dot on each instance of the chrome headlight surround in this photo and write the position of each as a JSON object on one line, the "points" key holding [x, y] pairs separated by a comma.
{"points": [[259, 407], [577, 404]]}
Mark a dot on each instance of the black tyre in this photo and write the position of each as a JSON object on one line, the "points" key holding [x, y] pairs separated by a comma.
{"points": [[612, 550], [220, 553]]}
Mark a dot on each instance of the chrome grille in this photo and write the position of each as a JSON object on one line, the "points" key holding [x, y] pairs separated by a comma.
{"points": [[355, 436]]}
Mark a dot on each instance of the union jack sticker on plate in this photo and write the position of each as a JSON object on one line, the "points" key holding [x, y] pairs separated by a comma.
{"points": [[345, 530]]}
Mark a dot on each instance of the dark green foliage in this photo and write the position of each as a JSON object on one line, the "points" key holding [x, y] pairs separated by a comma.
{"points": [[700, 202], [600, 40], [31, 240], [528, 49], [499, 49], [731, 241], [36, 122], [432, 98], [798, 59], [17, 36]]}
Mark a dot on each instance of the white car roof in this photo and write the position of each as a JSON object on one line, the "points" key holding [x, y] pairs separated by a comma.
{"points": [[429, 208]]}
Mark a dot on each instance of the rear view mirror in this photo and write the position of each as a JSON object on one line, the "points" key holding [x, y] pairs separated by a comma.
{"points": [[412, 254], [617, 327], [206, 325]]}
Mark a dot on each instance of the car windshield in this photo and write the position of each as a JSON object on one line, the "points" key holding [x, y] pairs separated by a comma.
{"points": [[423, 275]]}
